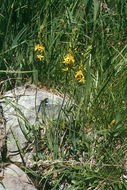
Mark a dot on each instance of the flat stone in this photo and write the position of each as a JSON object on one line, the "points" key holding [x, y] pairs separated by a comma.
{"points": [[15, 179], [24, 104]]}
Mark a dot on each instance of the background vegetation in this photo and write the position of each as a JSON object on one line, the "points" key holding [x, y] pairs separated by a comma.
{"points": [[91, 154]]}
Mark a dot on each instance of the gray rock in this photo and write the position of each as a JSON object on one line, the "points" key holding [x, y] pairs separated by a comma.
{"points": [[2, 134], [15, 179], [24, 105]]}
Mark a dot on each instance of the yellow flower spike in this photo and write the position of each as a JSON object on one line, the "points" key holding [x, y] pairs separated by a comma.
{"points": [[80, 77], [39, 56]]}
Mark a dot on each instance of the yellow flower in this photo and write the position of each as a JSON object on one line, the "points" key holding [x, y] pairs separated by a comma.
{"points": [[39, 47], [79, 76], [68, 62], [39, 56], [36, 47], [65, 69], [69, 59]]}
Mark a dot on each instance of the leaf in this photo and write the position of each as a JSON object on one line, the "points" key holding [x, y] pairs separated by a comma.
{"points": [[96, 8]]}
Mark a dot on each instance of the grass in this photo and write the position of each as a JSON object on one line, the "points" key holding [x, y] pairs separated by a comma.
{"points": [[84, 149]]}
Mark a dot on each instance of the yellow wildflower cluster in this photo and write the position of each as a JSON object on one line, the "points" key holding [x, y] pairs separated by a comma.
{"points": [[80, 77], [40, 49], [68, 62]]}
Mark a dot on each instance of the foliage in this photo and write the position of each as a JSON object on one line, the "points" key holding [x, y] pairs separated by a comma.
{"points": [[85, 148]]}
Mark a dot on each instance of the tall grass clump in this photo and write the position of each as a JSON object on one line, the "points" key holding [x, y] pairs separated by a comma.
{"points": [[80, 48]]}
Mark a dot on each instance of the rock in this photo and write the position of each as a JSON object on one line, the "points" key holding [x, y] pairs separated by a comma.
{"points": [[15, 179], [24, 105], [2, 135]]}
